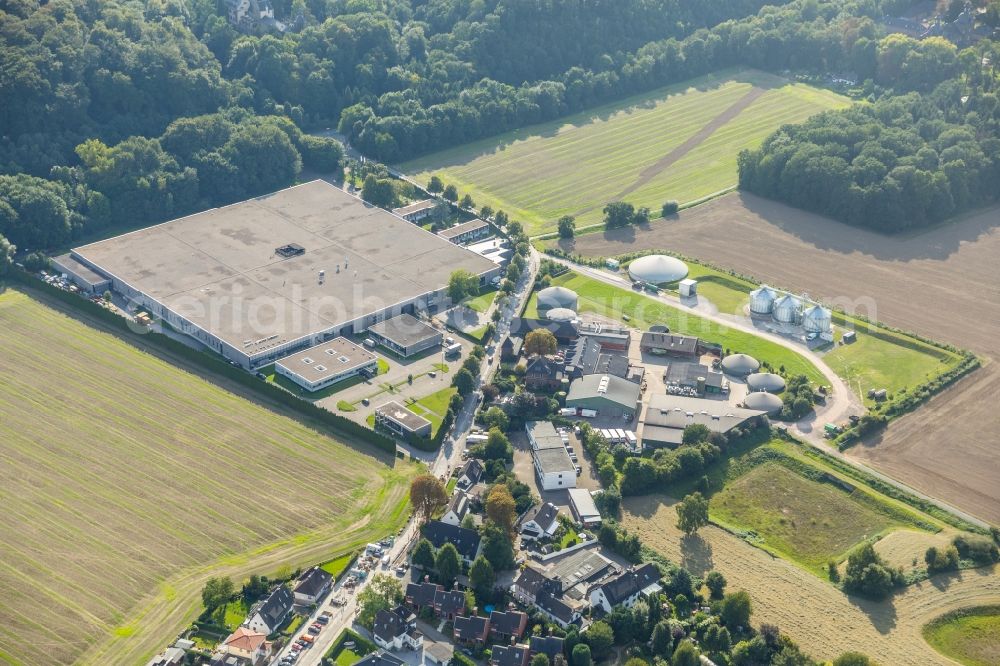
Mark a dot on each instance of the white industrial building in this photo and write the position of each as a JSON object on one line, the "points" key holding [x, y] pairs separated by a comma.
{"points": [[259, 279], [326, 364]]}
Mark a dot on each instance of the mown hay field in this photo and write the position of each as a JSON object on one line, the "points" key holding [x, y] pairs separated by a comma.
{"points": [[806, 520], [679, 142], [818, 616], [126, 482]]}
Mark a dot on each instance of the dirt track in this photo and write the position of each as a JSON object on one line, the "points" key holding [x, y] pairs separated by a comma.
{"points": [[943, 283], [823, 620]]}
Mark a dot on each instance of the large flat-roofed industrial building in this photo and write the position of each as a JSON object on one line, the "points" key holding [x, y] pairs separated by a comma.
{"points": [[405, 335], [326, 364], [259, 279]]}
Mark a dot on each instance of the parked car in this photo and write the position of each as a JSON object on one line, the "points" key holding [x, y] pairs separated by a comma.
{"points": [[401, 570]]}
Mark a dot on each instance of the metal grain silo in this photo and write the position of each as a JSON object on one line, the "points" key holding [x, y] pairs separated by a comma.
{"points": [[787, 309], [762, 300], [816, 319]]}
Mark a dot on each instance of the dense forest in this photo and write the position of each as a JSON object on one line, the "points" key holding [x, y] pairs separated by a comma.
{"points": [[905, 160], [126, 113]]}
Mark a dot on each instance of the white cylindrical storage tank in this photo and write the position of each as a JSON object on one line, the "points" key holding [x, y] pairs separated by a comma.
{"points": [[787, 309], [766, 381], [557, 297], [739, 365], [657, 269], [560, 314], [762, 300], [766, 402], [817, 319]]}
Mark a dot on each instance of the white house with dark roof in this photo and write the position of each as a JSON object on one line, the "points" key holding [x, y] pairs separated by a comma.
{"points": [[627, 588], [540, 521], [267, 614], [312, 586], [457, 509], [471, 473], [396, 629]]}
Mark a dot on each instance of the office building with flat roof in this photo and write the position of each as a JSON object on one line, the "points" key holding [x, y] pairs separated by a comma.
{"points": [[405, 335], [398, 419], [259, 279], [317, 367]]}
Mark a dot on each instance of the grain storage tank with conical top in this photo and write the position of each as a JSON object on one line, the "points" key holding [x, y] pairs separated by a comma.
{"points": [[762, 300], [816, 319], [788, 309]]}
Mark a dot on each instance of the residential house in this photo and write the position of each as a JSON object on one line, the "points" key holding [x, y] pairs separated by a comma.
{"points": [[556, 609], [470, 475], [421, 595], [449, 605], [505, 625], [530, 583], [457, 509], [465, 541], [540, 521], [626, 588], [550, 646], [267, 615], [247, 645], [472, 630], [543, 374], [380, 658], [312, 586], [397, 629], [510, 348], [510, 655]]}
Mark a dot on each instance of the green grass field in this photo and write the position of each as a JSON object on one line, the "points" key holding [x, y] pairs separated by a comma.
{"points": [[679, 142], [805, 520], [970, 636], [127, 482], [483, 301], [433, 407], [643, 312]]}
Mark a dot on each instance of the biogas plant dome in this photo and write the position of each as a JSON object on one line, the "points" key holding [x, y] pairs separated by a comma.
{"points": [[557, 297], [740, 365], [765, 402], [560, 314], [658, 268]]}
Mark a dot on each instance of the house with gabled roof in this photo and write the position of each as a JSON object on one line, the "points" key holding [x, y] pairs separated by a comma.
{"points": [[542, 520], [472, 630], [471, 474], [505, 625], [550, 646], [458, 509], [510, 655], [397, 629], [627, 588], [421, 595], [467, 542], [267, 615], [449, 605], [312, 586]]}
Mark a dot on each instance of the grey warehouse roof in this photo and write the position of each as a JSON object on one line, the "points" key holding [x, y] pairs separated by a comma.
{"points": [[554, 460], [618, 390], [668, 415], [405, 330], [219, 269], [327, 360]]}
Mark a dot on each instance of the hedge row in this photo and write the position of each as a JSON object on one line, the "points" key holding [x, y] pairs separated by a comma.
{"points": [[337, 425]]}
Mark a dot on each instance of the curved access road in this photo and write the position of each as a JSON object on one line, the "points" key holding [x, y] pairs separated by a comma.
{"points": [[838, 406]]}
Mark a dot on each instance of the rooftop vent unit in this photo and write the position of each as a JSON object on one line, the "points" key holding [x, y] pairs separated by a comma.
{"points": [[320, 368], [290, 250]]}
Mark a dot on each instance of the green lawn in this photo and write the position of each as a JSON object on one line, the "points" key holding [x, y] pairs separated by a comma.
{"points": [[643, 312], [577, 164], [433, 407], [970, 636], [344, 656], [337, 566], [482, 302], [236, 612], [805, 520], [884, 359]]}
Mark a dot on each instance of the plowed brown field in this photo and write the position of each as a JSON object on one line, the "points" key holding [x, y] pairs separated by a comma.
{"points": [[943, 283], [823, 620]]}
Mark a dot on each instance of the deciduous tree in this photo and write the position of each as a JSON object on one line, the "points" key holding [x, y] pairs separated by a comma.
{"points": [[692, 513], [448, 564], [540, 341], [382, 593], [427, 493]]}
